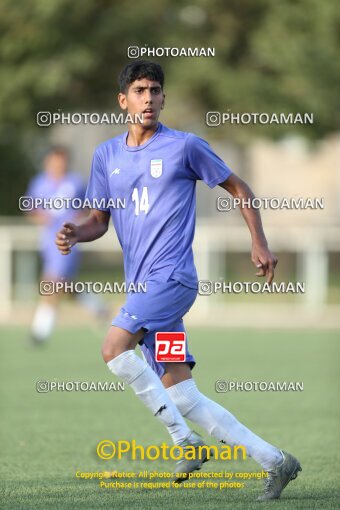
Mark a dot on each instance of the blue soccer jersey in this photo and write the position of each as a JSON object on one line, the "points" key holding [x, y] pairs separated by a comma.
{"points": [[151, 188], [70, 186]]}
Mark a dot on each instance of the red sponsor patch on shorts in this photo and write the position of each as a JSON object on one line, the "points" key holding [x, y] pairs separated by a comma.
{"points": [[170, 346]]}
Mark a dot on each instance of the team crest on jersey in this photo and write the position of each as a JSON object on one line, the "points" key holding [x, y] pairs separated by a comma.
{"points": [[156, 168]]}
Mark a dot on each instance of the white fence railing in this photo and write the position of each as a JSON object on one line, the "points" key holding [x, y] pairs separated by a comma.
{"points": [[212, 241]]}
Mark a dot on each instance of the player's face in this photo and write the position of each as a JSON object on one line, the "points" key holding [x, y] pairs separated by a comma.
{"points": [[144, 97], [56, 165]]}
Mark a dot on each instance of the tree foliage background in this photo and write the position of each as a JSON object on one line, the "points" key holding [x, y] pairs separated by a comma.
{"points": [[270, 56]]}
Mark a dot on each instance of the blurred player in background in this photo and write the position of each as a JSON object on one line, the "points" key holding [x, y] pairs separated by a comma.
{"points": [[54, 182], [155, 169]]}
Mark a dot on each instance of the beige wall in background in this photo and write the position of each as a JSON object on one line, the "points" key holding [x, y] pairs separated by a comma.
{"points": [[293, 169]]}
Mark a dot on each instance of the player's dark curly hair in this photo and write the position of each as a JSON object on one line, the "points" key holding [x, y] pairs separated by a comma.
{"points": [[138, 70]]}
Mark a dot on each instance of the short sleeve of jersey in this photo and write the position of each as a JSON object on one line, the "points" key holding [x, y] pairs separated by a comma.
{"points": [[97, 187], [203, 163]]}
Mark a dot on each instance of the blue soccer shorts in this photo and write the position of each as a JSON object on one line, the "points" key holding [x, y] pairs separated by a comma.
{"points": [[57, 266], [160, 308]]}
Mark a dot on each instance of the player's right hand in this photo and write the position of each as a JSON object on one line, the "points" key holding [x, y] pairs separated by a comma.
{"points": [[66, 238]]}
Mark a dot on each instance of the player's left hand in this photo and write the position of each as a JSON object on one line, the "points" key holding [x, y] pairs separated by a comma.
{"points": [[264, 260]]}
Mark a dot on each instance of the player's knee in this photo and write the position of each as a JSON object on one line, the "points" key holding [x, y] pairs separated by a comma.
{"points": [[111, 349], [108, 351], [118, 341]]}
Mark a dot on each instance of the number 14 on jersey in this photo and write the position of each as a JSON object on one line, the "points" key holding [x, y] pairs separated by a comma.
{"points": [[141, 202]]}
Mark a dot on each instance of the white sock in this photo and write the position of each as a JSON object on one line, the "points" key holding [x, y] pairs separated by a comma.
{"points": [[221, 424], [149, 388], [43, 321]]}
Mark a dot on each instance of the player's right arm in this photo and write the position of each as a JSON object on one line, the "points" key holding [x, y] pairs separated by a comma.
{"points": [[93, 227]]}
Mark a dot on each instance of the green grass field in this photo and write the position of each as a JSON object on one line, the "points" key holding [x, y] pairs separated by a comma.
{"points": [[46, 438]]}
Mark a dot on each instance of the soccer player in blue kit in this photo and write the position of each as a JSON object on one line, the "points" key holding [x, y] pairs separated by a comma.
{"points": [[155, 170], [55, 181]]}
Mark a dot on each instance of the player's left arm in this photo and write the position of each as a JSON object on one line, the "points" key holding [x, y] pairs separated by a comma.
{"points": [[261, 256]]}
